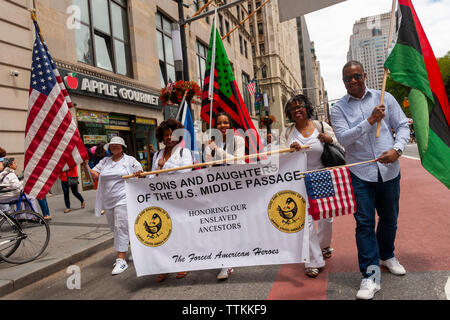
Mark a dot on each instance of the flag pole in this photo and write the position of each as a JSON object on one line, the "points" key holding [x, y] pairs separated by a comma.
{"points": [[211, 73], [246, 18], [383, 87], [211, 163]]}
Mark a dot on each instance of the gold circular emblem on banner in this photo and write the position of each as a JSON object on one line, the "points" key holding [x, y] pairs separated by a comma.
{"points": [[153, 226], [287, 211]]}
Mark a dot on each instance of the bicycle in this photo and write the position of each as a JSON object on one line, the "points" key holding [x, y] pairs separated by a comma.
{"points": [[24, 234]]}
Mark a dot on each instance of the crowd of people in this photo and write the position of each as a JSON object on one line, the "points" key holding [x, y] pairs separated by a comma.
{"points": [[354, 121]]}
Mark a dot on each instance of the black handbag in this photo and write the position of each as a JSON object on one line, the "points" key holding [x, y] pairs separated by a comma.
{"points": [[72, 181], [332, 155]]}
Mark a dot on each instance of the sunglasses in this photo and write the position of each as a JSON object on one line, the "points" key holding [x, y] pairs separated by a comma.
{"points": [[296, 108], [356, 76]]}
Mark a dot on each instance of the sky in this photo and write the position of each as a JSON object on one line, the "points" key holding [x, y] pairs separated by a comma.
{"points": [[330, 29]]}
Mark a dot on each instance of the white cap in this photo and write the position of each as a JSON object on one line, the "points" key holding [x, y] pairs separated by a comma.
{"points": [[115, 140]]}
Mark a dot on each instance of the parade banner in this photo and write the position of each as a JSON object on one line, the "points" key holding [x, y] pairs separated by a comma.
{"points": [[228, 216]]}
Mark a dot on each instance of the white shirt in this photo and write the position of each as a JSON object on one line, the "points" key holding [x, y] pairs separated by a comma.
{"points": [[315, 151], [176, 160], [111, 186]]}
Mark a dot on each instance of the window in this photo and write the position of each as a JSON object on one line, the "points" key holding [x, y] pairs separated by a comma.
{"points": [[247, 98], [245, 49], [221, 25], [102, 39], [202, 54], [261, 49], [227, 29], [260, 28], [264, 71], [241, 49], [165, 53]]}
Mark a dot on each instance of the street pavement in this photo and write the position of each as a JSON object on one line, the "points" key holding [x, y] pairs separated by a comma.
{"points": [[73, 237], [422, 246]]}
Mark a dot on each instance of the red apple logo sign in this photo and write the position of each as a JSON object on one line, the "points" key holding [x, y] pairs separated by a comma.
{"points": [[71, 81]]}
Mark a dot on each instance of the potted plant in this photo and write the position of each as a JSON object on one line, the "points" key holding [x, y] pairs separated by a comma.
{"points": [[173, 94]]}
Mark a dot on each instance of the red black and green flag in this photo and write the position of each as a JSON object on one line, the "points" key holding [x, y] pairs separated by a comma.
{"points": [[226, 95], [413, 64]]}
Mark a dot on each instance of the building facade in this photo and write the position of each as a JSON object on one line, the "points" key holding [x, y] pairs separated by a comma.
{"points": [[368, 46], [276, 58], [114, 56]]}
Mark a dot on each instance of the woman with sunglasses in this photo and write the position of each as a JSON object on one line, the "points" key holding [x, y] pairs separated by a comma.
{"points": [[222, 147], [305, 131]]}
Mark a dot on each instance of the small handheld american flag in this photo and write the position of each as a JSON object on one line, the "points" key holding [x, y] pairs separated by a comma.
{"points": [[251, 87], [330, 193]]}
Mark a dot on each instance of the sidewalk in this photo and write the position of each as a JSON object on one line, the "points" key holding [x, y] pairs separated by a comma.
{"points": [[73, 236]]}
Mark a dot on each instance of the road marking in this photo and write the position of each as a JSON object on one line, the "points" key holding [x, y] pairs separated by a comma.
{"points": [[447, 289], [409, 157]]}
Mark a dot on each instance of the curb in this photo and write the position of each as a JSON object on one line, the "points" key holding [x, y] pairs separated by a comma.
{"points": [[9, 286]]}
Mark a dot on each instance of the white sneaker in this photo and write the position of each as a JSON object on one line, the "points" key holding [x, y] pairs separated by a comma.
{"points": [[367, 289], [224, 273], [394, 266], [119, 266]]}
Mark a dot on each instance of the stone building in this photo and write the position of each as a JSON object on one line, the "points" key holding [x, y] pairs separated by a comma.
{"points": [[115, 56], [368, 46], [275, 53]]}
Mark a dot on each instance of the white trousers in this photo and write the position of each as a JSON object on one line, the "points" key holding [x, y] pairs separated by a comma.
{"points": [[118, 223], [318, 239]]}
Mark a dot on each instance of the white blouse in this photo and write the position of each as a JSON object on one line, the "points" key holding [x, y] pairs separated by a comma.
{"points": [[316, 148], [177, 159], [111, 186]]}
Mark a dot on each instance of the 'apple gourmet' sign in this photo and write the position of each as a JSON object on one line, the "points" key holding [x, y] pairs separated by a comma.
{"points": [[87, 85]]}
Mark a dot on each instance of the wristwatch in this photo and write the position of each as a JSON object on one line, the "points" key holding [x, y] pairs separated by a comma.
{"points": [[399, 151]]}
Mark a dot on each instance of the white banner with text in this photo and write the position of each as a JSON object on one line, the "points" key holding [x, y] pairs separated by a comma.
{"points": [[228, 216]]}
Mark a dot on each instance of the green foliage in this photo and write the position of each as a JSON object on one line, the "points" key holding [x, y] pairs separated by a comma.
{"points": [[444, 66], [399, 92]]}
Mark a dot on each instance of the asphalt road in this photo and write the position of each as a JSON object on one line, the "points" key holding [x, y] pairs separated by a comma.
{"points": [[423, 251]]}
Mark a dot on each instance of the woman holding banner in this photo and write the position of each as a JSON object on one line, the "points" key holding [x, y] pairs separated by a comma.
{"points": [[111, 195], [305, 131], [219, 150], [173, 155]]}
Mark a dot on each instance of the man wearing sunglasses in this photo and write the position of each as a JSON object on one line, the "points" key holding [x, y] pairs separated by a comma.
{"points": [[376, 185]]}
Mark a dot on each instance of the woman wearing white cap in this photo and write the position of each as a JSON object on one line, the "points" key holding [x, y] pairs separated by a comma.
{"points": [[111, 195]]}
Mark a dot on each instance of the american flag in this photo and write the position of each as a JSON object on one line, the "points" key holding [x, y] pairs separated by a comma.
{"points": [[52, 140], [251, 87], [330, 193]]}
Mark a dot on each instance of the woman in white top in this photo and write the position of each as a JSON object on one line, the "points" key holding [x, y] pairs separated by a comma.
{"points": [[305, 131], [223, 149], [11, 187], [111, 195], [173, 155]]}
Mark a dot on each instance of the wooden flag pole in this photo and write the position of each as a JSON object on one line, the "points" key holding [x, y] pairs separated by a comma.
{"points": [[383, 88], [201, 9], [246, 18], [211, 163]]}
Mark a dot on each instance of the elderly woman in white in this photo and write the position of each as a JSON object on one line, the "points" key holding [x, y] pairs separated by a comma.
{"points": [[111, 195]]}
